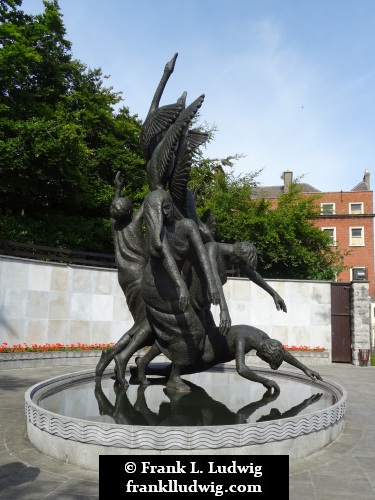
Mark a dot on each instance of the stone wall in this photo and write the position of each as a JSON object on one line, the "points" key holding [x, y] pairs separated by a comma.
{"points": [[360, 319], [44, 302]]}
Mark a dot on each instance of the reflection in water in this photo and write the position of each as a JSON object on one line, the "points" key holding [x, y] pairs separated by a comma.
{"points": [[195, 408], [218, 397], [275, 414]]}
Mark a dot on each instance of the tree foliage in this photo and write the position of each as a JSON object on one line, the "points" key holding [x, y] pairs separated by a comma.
{"points": [[61, 142], [289, 245]]}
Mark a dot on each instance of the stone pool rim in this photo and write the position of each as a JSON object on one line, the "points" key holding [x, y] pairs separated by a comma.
{"points": [[79, 442]]}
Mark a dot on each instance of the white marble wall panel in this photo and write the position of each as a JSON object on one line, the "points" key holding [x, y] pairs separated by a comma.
{"points": [[102, 308], [58, 331], [100, 332], [82, 280], [61, 277], [2, 274], [299, 335], [12, 330], [39, 277], [59, 305], [103, 282], [240, 313], [79, 332], [16, 275], [301, 313], [120, 309], [299, 293], [2, 304], [36, 331], [37, 304], [320, 294], [15, 303], [81, 306], [320, 335], [241, 290], [320, 314]]}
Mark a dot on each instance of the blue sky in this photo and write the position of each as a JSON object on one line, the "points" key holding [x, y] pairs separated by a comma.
{"points": [[288, 83]]}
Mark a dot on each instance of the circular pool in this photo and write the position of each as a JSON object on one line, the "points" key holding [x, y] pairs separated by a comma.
{"points": [[72, 419]]}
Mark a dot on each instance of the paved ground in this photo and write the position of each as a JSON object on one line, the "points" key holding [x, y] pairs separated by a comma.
{"points": [[343, 470]]}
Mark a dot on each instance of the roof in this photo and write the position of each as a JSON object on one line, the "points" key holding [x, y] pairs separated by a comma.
{"points": [[362, 186], [276, 191]]}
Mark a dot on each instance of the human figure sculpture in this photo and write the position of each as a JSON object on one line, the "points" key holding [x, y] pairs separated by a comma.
{"points": [[131, 257], [174, 272], [219, 348], [178, 329]]}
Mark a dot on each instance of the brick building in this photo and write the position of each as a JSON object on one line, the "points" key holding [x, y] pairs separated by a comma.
{"points": [[347, 216]]}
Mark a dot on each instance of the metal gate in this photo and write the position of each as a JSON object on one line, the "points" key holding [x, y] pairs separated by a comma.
{"points": [[341, 323]]}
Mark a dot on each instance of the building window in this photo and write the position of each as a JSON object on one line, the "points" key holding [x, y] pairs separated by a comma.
{"points": [[356, 208], [358, 274], [356, 236], [327, 209], [331, 231]]}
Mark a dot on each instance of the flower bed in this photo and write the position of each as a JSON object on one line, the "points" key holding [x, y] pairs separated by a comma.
{"points": [[34, 355], [4, 348], [304, 348]]}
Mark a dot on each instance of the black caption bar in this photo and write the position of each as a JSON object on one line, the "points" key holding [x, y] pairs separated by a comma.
{"points": [[264, 476]]}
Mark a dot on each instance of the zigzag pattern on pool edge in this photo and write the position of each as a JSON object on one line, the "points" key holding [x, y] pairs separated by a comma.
{"points": [[182, 438]]}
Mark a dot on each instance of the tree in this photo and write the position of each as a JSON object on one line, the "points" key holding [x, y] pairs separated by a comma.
{"points": [[289, 245], [61, 142]]}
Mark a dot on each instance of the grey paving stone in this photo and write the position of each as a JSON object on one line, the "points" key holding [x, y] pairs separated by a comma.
{"points": [[365, 449], [337, 486], [301, 490], [346, 467], [32, 489], [78, 487], [344, 470], [367, 465]]}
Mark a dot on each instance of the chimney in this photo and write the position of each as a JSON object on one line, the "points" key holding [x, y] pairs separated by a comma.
{"points": [[288, 179], [366, 178]]}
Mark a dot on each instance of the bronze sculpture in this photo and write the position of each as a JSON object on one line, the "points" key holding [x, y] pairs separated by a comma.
{"points": [[172, 273]]}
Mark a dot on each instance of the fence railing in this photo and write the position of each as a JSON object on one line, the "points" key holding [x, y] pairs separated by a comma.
{"points": [[39, 252], [79, 257]]}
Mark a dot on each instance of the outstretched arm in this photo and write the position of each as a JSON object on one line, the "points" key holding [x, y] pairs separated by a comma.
{"points": [[225, 321], [289, 358], [258, 280]]}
